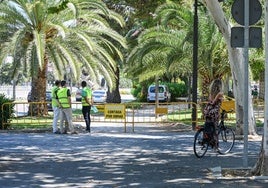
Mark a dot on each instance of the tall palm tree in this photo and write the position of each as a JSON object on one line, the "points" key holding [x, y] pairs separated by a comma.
{"points": [[171, 43], [158, 50], [162, 49], [71, 34], [213, 55]]}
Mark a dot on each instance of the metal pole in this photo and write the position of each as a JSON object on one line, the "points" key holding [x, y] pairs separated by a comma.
{"points": [[265, 132], [246, 82], [195, 65]]}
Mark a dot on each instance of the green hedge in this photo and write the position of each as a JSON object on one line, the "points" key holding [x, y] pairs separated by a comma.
{"points": [[6, 111], [177, 90]]}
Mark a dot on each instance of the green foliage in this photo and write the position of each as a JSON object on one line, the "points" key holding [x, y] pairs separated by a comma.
{"points": [[9, 74], [134, 105], [166, 49], [45, 31], [177, 90], [58, 8], [125, 83], [137, 92], [143, 10], [257, 63], [163, 48], [6, 111]]}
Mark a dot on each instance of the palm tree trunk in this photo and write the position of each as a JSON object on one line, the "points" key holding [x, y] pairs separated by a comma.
{"points": [[261, 85], [261, 166], [38, 92], [114, 95]]}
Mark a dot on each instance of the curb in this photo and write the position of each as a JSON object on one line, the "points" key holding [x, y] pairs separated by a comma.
{"points": [[217, 173]]}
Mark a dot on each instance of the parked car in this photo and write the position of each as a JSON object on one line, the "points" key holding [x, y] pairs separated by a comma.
{"points": [[163, 93], [99, 96], [48, 99], [78, 95]]}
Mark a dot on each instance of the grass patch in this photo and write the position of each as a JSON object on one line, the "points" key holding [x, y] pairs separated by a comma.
{"points": [[134, 105], [184, 116], [259, 123], [30, 126], [29, 122]]}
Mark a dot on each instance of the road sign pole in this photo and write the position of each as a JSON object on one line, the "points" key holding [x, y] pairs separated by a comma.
{"points": [[265, 143], [246, 82], [246, 13], [195, 65]]}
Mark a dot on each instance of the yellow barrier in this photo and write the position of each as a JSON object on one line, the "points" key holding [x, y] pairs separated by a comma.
{"points": [[228, 105], [161, 110], [26, 114], [130, 113]]}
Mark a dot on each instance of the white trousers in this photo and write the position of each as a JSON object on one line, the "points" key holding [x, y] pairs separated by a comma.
{"points": [[56, 117], [66, 115]]}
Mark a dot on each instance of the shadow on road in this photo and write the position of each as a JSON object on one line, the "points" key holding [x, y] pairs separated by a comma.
{"points": [[115, 159]]}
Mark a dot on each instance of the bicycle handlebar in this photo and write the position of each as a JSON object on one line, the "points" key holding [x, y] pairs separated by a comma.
{"points": [[227, 111]]}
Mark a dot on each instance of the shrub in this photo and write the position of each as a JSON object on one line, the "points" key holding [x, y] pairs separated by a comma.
{"points": [[138, 94], [6, 111], [177, 90]]}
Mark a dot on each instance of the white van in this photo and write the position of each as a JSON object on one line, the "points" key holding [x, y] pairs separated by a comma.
{"points": [[163, 93]]}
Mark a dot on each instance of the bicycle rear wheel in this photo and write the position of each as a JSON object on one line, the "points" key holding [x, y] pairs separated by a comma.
{"points": [[200, 145], [226, 139]]}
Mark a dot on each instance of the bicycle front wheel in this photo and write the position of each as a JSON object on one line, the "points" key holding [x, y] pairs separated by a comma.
{"points": [[226, 139], [200, 145]]}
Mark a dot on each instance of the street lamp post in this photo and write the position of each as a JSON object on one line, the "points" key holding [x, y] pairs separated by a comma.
{"points": [[69, 77], [195, 66]]}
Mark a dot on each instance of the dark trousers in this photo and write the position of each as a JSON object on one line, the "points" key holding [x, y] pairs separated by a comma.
{"points": [[86, 114]]}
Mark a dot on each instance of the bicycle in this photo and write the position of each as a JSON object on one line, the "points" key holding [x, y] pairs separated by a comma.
{"points": [[204, 139]]}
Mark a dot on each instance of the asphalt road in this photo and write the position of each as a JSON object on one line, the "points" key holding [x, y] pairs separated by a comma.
{"points": [[108, 157]]}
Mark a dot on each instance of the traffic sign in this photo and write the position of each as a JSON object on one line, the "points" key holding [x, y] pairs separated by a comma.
{"points": [[238, 12], [237, 37]]}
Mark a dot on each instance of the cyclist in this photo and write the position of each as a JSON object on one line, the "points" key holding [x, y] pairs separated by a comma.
{"points": [[212, 109]]}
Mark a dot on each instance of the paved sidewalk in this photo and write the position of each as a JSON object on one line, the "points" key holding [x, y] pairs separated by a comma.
{"points": [[108, 157]]}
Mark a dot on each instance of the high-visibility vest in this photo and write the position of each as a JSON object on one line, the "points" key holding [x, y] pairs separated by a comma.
{"points": [[86, 93], [54, 90], [63, 97]]}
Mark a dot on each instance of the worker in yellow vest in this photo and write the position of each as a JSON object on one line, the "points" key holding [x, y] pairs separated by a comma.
{"points": [[86, 104], [55, 107], [64, 98]]}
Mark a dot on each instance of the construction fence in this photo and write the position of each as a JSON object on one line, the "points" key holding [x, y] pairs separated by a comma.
{"points": [[126, 113]]}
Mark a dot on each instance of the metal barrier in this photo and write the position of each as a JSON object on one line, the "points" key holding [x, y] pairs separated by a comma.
{"points": [[126, 113], [22, 114], [258, 106]]}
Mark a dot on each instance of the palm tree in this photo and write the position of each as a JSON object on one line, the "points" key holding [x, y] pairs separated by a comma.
{"points": [[157, 53], [72, 34], [213, 56], [167, 48], [162, 49]]}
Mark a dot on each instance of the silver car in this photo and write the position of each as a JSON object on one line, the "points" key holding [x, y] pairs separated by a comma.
{"points": [[163, 93], [99, 96]]}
